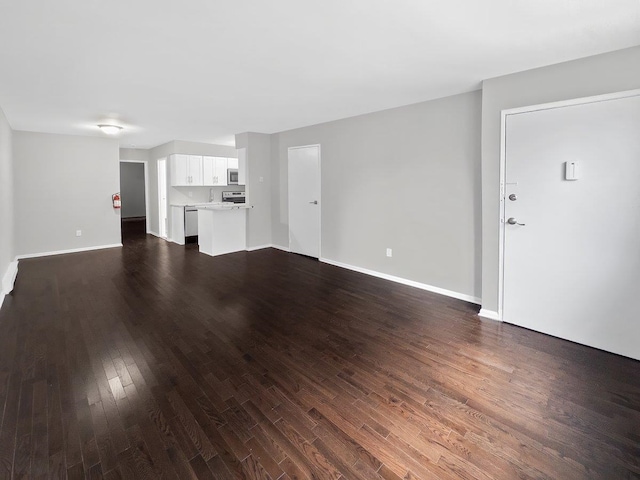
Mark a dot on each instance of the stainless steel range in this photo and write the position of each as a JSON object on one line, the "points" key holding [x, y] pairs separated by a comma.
{"points": [[233, 197]]}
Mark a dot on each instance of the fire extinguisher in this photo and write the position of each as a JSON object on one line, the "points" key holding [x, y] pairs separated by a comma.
{"points": [[117, 203]]}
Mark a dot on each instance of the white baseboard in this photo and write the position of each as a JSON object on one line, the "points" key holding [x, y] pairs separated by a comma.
{"points": [[404, 281], [71, 250], [8, 280], [489, 314], [259, 247], [9, 277], [156, 234], [280, 247]]}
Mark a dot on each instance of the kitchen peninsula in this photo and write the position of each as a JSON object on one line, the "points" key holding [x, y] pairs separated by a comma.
{"points": [[222, 228]]}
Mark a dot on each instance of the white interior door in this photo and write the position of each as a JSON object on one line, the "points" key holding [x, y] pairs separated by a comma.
{"points": [[573, 269], [162, 197], [304, 200]]}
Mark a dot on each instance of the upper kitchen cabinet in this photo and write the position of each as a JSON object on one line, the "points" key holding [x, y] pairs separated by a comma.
{"points": [[214, 170], [186, 170]]}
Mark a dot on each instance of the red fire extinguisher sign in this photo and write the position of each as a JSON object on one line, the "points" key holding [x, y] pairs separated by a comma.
{"points": [[117, 203]]}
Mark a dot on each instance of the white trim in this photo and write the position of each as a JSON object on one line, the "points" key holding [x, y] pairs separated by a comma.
{"points": [[503, 167], [145, 166], [9, 277], [165, 160], [573, 101], [319, 199], [156, 234], [489, 314], [259, 247], [8, 280], [270, 245], [404, 281], [71, 250]]}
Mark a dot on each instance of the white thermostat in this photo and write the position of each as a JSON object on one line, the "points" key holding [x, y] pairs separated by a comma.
{"points": [[571, 170]]}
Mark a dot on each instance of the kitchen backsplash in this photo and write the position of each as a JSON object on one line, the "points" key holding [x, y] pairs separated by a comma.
{"points": [[180, 195]]}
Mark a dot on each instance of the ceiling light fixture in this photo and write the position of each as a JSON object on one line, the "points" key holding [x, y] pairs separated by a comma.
{"points": [[110, 129]]}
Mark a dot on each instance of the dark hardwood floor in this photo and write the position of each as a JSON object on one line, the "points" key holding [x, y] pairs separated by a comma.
{"points": [[153, 361]]}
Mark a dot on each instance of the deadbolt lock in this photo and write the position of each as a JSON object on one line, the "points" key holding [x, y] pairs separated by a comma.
{"points": [[513, 197]]}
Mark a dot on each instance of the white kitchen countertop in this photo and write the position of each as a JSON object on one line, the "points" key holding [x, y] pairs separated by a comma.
{"points": [[223, 206], [212, 205]]}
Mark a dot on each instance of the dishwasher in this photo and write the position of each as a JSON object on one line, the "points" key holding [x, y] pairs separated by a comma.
{"points": [[190, 224]]}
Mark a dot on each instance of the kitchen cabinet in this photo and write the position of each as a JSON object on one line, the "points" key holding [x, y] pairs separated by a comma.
{"points": [[221, 229], [214, 171], [177, 224], [186, 170]]}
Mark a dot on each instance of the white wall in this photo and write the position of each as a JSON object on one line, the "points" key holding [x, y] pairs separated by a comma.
{"points": [[132, 190], [6, 206], [607, 73], [406, 178], [258, 147], [64, 183]]}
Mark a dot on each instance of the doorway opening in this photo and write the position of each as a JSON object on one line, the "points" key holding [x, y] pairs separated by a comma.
{"points": [[134, 191]]}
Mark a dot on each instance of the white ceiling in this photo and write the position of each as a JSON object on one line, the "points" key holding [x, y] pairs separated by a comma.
{"points": [[203, 70]]}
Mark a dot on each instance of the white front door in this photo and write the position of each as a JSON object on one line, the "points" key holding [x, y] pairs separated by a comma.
{"points": [[304, 200], [572, 247]]}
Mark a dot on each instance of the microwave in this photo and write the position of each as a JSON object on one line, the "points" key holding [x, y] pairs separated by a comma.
{"points": [[232, 176]]}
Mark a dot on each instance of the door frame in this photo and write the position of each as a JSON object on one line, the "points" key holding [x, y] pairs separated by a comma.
{"points": [[165, 161], [503, 166], [319, 199], [145, 166]]}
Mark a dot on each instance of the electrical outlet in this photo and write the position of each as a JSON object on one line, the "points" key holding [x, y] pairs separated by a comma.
{"points": [[261, 179], [389, 252], [78, 233]]}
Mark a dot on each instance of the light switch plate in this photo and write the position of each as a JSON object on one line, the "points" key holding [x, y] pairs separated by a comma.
{"points": [[571, 170]]}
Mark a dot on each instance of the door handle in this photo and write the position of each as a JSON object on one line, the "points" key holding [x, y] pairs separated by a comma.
{"points": [[513, 221], [315, 202]]}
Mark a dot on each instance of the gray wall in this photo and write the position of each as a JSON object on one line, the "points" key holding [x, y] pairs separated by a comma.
{"points": [[64, 183], [6, 198], [258, 147], [611, 72], [406, 178], [138, 154], [132, 190]]}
